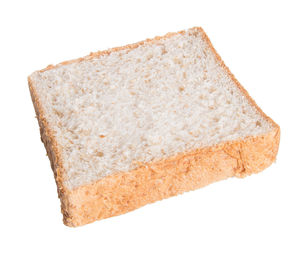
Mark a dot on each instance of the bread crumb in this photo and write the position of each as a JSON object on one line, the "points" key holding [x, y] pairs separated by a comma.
{"points": [[163, 51], [58, 113], [149, 56], [99, 154], [177, 60]]}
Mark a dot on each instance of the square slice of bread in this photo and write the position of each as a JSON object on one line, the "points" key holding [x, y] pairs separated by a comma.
{"points": [[136, 124]]}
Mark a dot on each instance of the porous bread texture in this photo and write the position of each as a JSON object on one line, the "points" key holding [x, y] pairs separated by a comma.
{"points": [[116, 111]]}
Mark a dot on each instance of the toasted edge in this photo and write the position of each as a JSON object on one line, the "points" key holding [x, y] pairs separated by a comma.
{"points": [[107, 197]]}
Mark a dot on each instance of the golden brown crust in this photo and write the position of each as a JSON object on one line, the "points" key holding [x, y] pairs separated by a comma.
{"points": [[125, 191]]}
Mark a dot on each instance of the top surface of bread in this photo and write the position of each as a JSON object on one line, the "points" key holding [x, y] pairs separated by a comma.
{"points": [[140, 104]]}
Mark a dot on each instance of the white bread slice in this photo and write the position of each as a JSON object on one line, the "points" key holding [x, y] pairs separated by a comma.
{"points": [[140, 123]]}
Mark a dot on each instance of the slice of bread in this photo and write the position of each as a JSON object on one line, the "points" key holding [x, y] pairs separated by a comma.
{"points": [[136, 124]]}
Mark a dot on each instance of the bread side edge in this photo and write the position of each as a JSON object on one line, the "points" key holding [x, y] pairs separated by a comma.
{"points": [[126, 191], [53, 152]]}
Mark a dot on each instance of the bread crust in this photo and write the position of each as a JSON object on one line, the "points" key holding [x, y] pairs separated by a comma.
{"points": [[125, 191]]}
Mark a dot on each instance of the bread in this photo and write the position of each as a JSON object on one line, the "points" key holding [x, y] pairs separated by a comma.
{"points": [[136, 124]]}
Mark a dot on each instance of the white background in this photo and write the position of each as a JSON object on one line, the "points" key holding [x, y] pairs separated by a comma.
{"points": [[256, 216]]}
